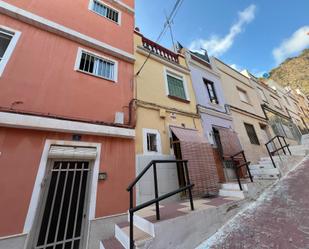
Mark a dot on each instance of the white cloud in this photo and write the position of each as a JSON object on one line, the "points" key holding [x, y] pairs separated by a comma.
{"points": [[236, 67], [218, 45], [292, 45]]}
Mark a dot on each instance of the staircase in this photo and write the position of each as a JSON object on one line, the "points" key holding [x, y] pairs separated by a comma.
{"points": [[231, 189], [265, 170]]}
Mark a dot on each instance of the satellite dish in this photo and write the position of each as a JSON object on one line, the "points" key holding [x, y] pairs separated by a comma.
{"points": [[266, 75]]}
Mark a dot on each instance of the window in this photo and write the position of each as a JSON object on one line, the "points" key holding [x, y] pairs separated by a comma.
{"points": [[262, 94], [8, 41], [243, 95], [252, 134], [276, 102], [211, 91], [104, 10], [286, 100], [152, 141], [176, 86], [97, 65]]}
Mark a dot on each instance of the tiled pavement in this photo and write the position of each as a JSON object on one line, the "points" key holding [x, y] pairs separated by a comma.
{"points": [[176, 209], [279, 219]]}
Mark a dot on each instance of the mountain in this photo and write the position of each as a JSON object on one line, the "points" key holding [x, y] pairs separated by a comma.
{"points": [[294, 72]]}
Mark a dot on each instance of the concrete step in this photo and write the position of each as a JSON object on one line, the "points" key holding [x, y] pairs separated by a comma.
{"points": [[122, 233], [233, 186], [143, 224], [273, 171], [261, 166], [305, 139], [232, 193], [265, 177], [111, 243]]}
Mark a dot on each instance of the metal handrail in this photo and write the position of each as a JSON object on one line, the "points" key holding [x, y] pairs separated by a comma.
{"points": [[246, 163], [157, 199], [282, 147]]}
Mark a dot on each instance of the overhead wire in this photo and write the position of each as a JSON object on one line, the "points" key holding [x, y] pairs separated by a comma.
{"points": [[169, 19]]}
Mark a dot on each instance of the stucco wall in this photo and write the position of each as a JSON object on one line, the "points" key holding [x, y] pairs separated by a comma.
{"points": [[253, 152], [40, 76], [21, 151], [89, 23]]}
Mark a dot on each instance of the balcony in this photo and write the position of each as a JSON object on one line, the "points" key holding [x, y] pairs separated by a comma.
{"points": [[159, 50]]}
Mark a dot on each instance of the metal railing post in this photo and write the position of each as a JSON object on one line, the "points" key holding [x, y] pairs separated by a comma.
{"points": [[247, 166], [156, 190], [188, 183], [131, 220], [287, 146], [271, 157], [281, 145], [236, 171]]}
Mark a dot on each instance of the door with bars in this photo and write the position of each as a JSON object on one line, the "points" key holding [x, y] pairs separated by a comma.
{"points": [[64, 206]]}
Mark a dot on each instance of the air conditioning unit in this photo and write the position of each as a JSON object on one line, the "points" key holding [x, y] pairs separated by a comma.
{"points": [[119, 118]]}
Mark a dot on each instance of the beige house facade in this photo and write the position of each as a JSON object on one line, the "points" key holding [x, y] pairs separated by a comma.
{"points": [[245, 108]]}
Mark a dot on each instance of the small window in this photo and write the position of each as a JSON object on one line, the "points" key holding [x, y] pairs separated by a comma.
{"points": [[8, 41], [104, 10], [262, 94], [243, 95], [96, 65], [152, 142], [252, 134], [176, 87], [211, 91]]}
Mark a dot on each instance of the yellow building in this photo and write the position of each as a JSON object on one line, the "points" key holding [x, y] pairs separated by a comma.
{"points": [[166, 118]]}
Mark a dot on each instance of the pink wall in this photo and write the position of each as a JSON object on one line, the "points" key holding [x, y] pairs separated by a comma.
{"points": [[40, 74], [21, 151], [76, 15]]}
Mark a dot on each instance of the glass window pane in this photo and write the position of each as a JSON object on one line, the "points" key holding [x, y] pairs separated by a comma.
{"points": [[4, 43]]}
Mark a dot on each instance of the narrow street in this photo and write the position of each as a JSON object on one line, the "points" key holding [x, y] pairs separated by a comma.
{"points": [[279, 219]]}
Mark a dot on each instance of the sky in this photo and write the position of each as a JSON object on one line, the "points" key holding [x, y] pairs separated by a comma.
{"points": [[245, 34]]}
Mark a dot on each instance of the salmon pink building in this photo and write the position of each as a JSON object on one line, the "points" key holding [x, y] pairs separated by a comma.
{"points": [[66, 128]]}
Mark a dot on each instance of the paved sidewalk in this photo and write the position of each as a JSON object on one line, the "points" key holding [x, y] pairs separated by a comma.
{"points": [[279, 219]]}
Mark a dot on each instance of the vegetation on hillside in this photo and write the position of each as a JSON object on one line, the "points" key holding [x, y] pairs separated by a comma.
{"points": [[293, 72]]}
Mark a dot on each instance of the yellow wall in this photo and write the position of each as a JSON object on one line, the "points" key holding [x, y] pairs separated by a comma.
{"points": [[150, 87]]}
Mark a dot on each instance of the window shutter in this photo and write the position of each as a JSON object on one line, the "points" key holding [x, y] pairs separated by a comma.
{"points": [[176, 87]]}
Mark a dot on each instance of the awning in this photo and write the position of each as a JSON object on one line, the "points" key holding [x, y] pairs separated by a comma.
{"points": [[201, 162], [229, 141], [69, 152]]}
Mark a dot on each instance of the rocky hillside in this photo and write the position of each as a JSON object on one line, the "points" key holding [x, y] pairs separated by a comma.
{"points": [[294, 71]]}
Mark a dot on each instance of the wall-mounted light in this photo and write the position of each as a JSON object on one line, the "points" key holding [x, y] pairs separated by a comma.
{"points": [[102, 176]]}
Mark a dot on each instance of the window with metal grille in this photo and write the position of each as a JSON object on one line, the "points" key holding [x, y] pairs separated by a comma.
{"points": [[5, 39], [152, 142], [98, 66], [176, 87], [211, 91], [105, 11], [252, 134]]}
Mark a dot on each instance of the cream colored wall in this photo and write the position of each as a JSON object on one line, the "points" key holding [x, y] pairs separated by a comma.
{"points": [[150, 119], [150, 87], [253, 152], [232, 79], [150, 83]]}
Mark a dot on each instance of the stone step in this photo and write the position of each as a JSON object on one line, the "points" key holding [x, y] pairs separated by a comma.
{"points": [[233, 186], [265, 177], [111, 243], [232, 193], [261, 166], [273, 171], [143, 224], [122, 233]]}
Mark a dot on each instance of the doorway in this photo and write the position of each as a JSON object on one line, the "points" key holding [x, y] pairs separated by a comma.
{"points": [[62, 218], [178, 156]]}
